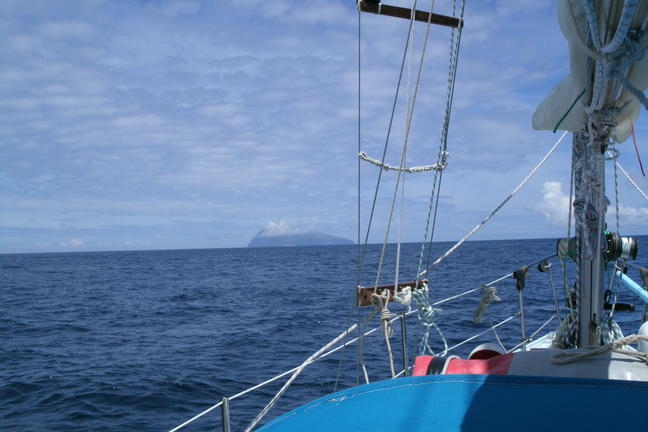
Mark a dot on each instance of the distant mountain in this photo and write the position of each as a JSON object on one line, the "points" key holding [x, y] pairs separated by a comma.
{"points": [[262, 239]]}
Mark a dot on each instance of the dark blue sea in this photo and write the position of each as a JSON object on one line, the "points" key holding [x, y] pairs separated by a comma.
{"points": [[142, 341]]}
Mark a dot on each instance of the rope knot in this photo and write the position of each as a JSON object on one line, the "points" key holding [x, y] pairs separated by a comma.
{"points": [[381, 302]]}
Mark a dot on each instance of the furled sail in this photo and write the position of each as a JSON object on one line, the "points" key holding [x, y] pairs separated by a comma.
{"points": [[621, 63]]}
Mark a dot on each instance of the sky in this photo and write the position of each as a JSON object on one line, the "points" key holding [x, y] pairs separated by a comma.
{"points": [[130, 125]]}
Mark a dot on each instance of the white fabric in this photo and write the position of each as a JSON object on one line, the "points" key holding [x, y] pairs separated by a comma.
{"points": [[573, 23]]}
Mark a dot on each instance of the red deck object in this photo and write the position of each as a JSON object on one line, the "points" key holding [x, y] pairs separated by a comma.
{"points": [[497, 365]]}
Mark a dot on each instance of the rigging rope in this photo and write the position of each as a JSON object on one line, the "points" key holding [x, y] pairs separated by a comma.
{"points": [[380, 172], [410, 109], [386, 145], [560, 334], [415, 169], [408, 125], [295, 374], [442, 152], [631, 181], [634, 141], [381, 303], [616, 197], [359, 222], [487, 218]]}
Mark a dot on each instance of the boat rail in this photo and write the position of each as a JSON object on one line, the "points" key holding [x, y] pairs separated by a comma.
{"points": [[224, 403]]}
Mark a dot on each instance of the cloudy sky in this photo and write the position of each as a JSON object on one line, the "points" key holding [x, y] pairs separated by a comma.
{"points": [[195, 124]]}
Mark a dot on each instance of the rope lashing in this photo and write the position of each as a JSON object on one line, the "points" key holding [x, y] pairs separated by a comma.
{"points": [[623, 59], [404, 296], [427, 314], [381, 302], [615, 58], [562, 358], [567, 331], [490, 295], [609, 330], [415, 169]]}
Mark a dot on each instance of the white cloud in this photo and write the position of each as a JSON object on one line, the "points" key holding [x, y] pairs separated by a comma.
{"points": [[554, 204], [131, 114], [282, 227], [24, 43], [629, 215], [75, 242], [72, 29], [179, 8], [136, 243]]}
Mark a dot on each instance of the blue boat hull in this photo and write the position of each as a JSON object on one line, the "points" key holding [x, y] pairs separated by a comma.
{"points": [[474, 403]]}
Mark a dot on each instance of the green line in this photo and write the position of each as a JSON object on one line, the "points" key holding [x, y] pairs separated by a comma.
{"points": [[569, 110]]}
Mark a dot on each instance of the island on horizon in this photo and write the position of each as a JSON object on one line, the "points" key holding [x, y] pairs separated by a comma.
{"points": [[262, 239]]}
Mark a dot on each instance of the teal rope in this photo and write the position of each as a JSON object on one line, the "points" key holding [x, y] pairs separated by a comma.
{"points": [[571, 107]]}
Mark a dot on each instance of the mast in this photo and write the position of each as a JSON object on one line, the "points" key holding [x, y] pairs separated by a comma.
{"points": [[612, 44], [589, 210]]}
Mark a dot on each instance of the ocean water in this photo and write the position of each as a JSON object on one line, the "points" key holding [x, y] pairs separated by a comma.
{"points": [[115, 341]]}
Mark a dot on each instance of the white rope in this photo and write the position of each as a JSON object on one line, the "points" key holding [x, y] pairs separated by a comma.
{"points": [[414, 169], [562, 358], [616, 197], [512, 194], [442, 152], [196, 417], [402, 200], [381, 301], [631, 181], [295, 374]]}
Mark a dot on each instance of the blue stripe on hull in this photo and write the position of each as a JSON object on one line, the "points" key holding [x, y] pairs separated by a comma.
{"points": [[474, 403]]}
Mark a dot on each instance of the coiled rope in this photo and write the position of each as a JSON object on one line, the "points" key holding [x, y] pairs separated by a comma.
{"points": [[427, 314], [562, 358]]}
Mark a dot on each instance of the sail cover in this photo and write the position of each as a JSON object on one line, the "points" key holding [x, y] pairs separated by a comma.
{"points": [[572, 16]]}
